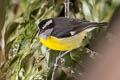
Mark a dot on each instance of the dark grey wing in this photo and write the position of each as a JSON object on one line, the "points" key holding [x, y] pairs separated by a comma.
{"points": [[66, 27], [62, 27]]}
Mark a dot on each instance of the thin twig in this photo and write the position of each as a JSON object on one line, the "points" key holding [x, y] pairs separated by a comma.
{"points": [[67, 8], [64, 53], [56, 63], [60, 56], [42, 10], [55, 68]]}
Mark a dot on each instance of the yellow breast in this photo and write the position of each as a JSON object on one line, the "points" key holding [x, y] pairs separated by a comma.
{"points": [[64, 44]]}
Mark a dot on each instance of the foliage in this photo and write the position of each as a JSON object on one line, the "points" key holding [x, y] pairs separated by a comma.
{"points": [[25, 57]]}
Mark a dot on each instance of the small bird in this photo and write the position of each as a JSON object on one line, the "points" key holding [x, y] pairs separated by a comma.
{"points": [[63, 34]]}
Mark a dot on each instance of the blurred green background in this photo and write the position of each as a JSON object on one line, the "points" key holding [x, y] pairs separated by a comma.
{"points": [[23, 57]]}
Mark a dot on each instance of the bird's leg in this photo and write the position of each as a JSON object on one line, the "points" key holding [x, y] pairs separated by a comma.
{"points": [[49, 50], [56, 65], [61, 55]]}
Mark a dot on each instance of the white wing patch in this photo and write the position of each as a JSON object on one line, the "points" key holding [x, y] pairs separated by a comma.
{"points": [[47, 23], [72, 33]]}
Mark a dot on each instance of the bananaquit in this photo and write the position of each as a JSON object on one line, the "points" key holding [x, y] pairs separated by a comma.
{"points": [[65, 34]]}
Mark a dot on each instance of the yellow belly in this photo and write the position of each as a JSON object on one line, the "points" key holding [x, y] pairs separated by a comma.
{"points": [[64, 44]]}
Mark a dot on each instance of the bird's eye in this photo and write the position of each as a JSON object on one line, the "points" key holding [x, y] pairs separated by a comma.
{"points": [[44, 25]]}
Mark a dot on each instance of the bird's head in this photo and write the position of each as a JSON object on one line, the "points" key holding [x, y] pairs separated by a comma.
{"points": [[45, 27]]}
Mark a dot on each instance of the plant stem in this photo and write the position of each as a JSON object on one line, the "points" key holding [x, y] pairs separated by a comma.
{"points": [[56, 63], [67, 8]]}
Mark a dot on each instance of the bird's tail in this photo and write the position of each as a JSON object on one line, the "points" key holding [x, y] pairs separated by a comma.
{"points": [[95, 24]]}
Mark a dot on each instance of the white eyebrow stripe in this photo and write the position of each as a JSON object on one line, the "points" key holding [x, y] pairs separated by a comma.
{"points": [[47, 23]]}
